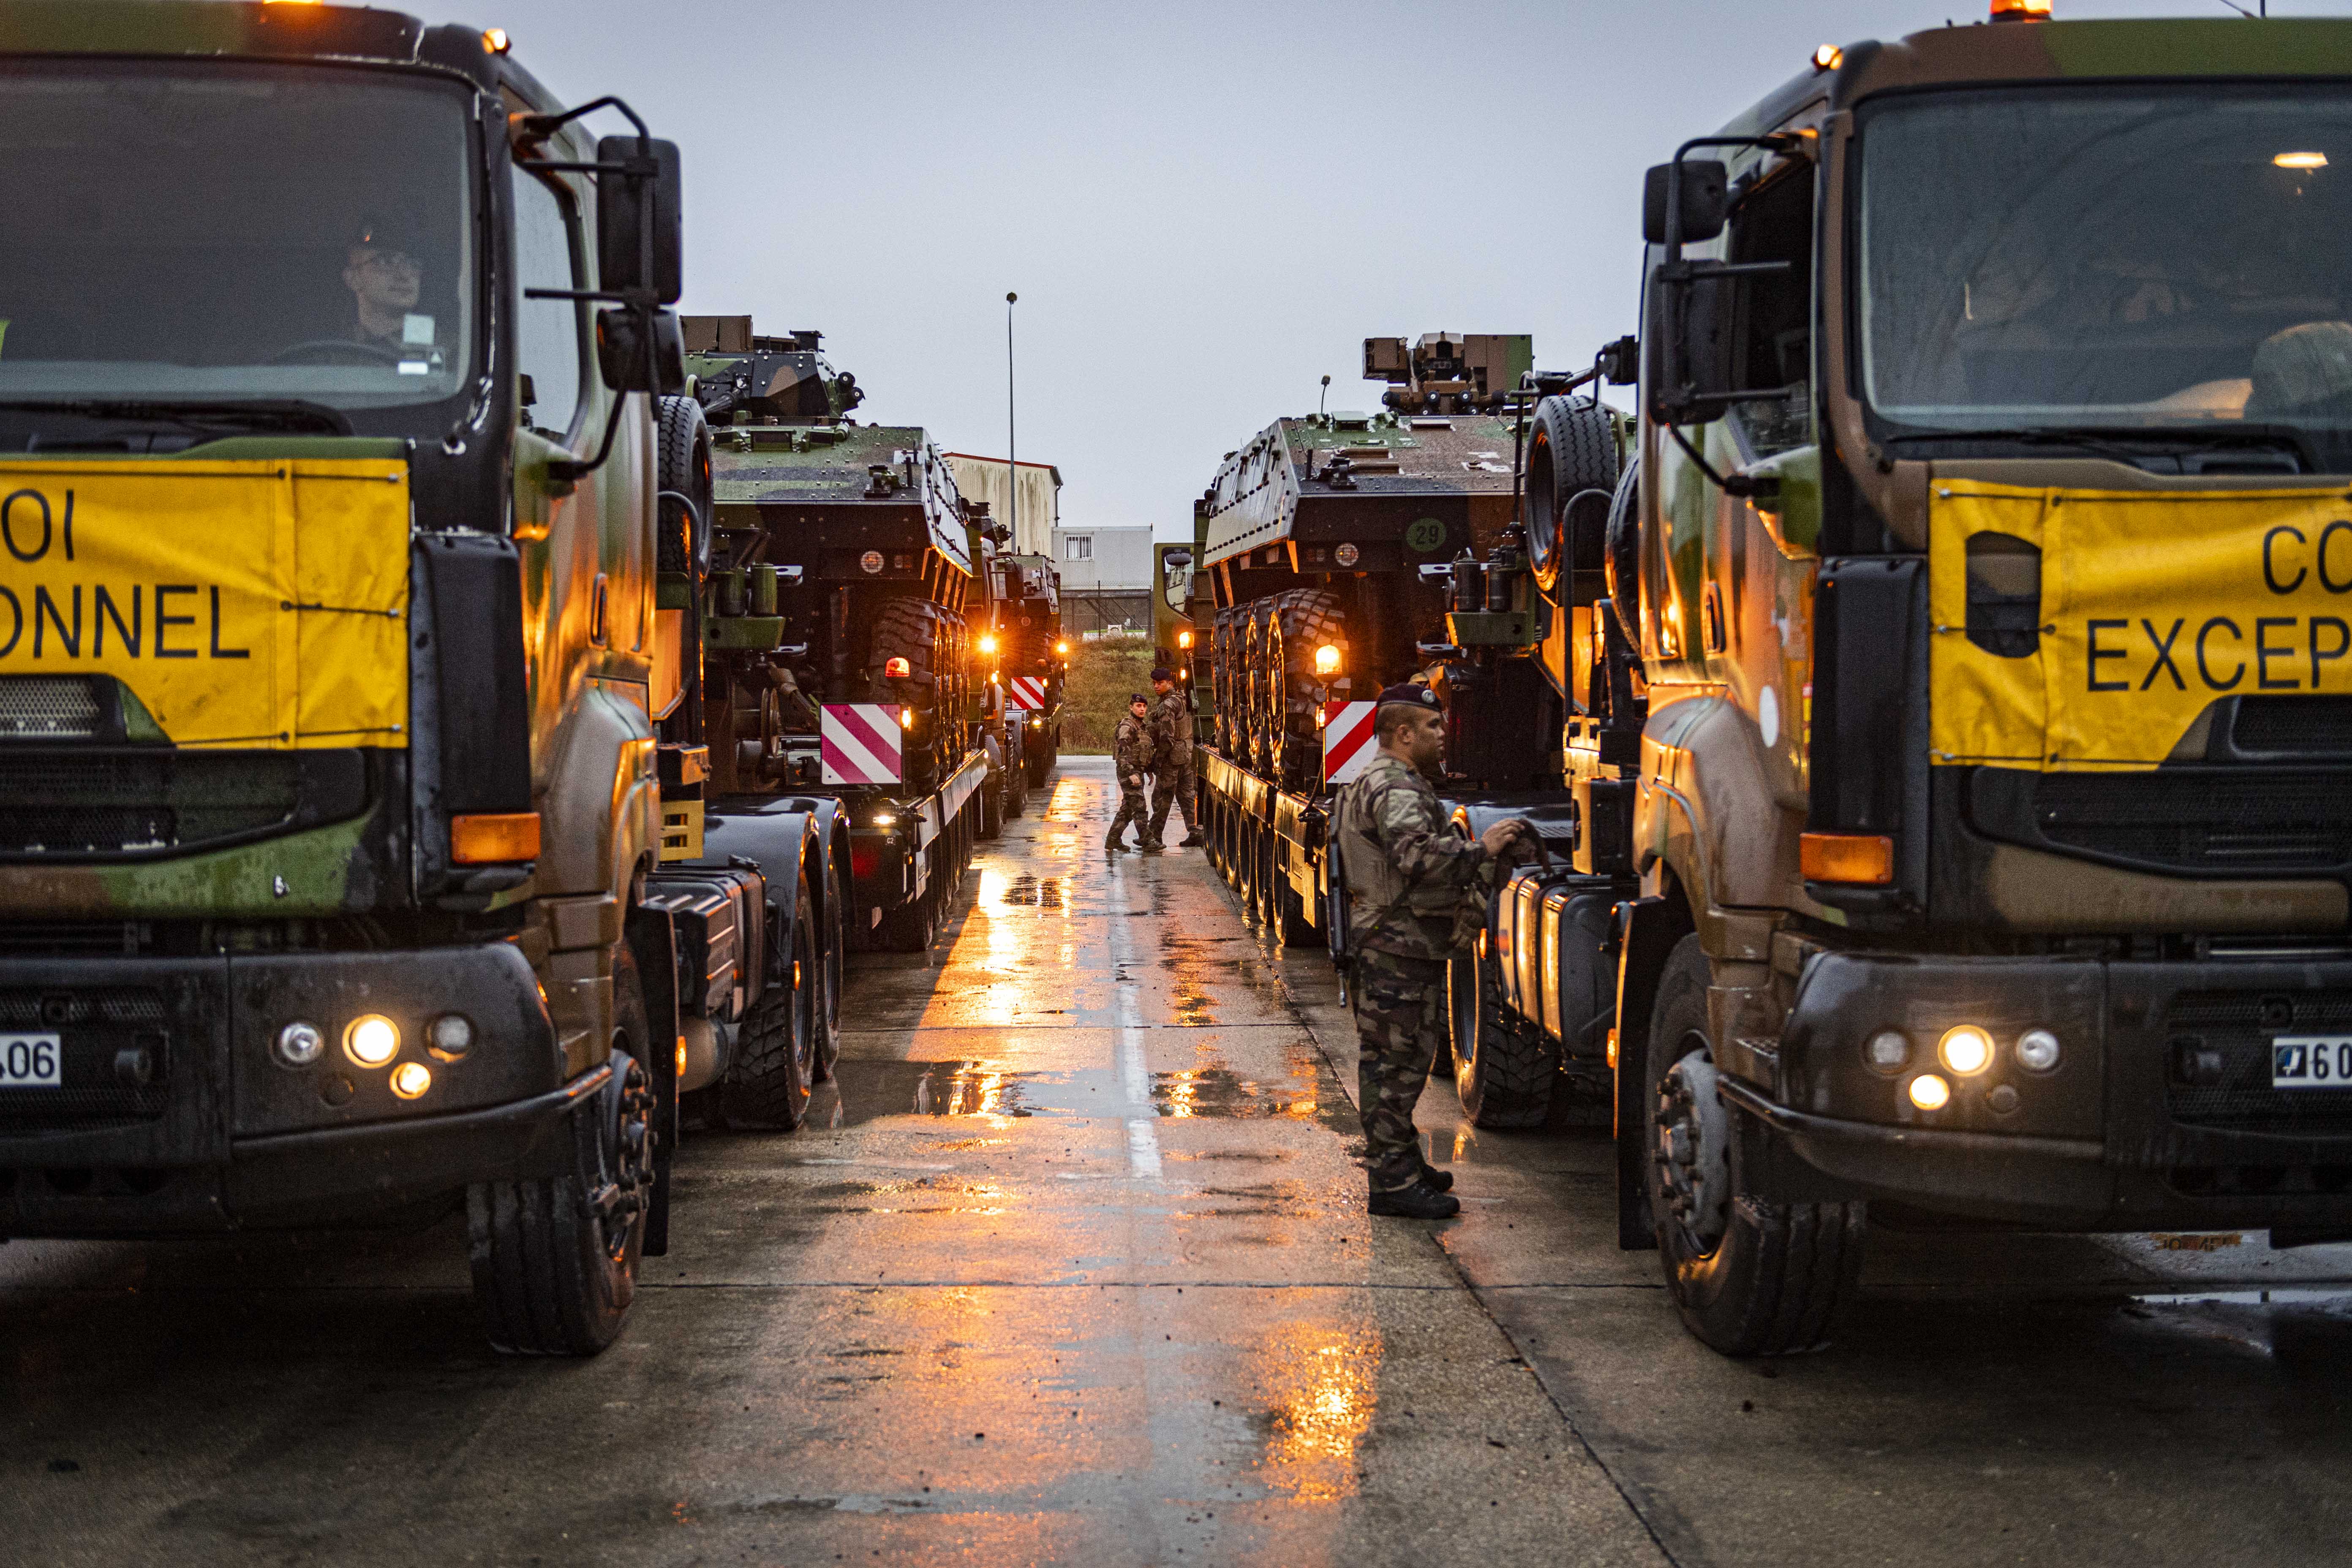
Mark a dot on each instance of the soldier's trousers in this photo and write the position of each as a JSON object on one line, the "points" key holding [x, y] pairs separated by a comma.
{"points": [[1174, 787], [1130, 809], [1400, 1027]]}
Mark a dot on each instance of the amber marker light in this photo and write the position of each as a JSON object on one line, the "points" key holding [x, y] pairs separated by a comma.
{"points": [[1846, 857], [906, 718], [1061, 647], [372, 1040], [495, 41], [988, 642], [482, 838], [2301, 160], [1183, 639], [1966, 1050], [1326, 660], [411, 1080], [897, 668], [2020, 10], [1929, 1092], [1828, 57]]}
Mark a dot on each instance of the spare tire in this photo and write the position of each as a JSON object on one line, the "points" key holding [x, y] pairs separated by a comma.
{"points": [[1571, 448], [682, 471], [1622, 554]]}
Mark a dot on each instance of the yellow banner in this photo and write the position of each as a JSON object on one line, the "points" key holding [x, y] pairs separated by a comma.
{"points": [[2153, 606], [260, 603]]}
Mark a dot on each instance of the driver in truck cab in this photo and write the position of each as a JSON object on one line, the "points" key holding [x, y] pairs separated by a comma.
{"points": [[386, 280]]}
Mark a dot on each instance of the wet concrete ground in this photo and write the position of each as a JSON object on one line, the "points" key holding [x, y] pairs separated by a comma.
{"points": [[1072, 1265]]}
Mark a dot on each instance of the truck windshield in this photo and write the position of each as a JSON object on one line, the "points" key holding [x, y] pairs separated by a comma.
{"points": [[183, 235], [2110, 259]]}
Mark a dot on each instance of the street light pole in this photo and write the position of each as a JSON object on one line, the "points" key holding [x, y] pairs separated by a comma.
{"points": [[1012, 446]]}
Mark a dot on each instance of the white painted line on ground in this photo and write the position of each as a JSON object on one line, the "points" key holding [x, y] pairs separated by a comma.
{"points": [[1143, 1121]]}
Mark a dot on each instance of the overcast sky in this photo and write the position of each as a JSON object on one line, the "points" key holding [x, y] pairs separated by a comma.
{"points": [[1205, 206]]}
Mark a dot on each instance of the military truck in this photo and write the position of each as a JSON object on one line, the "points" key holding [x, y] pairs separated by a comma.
{"points": [[339, 712], [1987, 849], [1023, 704], [1341, 552], [838, 670]]}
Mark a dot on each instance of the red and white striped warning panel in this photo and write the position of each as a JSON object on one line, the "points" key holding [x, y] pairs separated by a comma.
{"points": [[1027, 693], [861, 743], [1348, 748]]}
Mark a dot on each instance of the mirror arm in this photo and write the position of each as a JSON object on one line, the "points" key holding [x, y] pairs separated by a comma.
{"points": [[1750, 486]]}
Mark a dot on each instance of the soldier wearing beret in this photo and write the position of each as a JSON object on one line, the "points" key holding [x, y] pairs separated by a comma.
{"points": [[1131, 757], [1171, 781], [1407, 879]]}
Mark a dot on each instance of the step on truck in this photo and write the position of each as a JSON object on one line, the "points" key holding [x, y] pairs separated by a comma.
{"points": [[1990, 828], [839, 667], [340, 703], [1341, 552]]}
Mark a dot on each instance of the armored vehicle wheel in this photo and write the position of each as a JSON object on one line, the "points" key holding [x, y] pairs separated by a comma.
{"points": [[1502, 1070], [834, 942], [555, 1262], [775, 1056], [1749, 1276]]}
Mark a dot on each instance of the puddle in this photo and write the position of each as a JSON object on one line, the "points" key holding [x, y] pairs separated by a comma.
{"points": [[1217, 1092], [1038, 892], [872, 1090]]}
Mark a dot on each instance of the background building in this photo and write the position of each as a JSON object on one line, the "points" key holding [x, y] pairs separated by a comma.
{"points": [[1105, 577], [1036, 520]]}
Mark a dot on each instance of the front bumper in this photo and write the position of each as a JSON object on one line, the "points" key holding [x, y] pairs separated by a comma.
{"points": [[219, 1135], [2160, 1113]]}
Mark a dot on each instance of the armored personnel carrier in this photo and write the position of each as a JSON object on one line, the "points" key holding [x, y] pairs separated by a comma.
{"points": [[837, 660]]}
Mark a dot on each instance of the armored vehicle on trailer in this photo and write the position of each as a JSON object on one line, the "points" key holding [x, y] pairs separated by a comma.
{"points": [[1343, 552], [339, 713], [1991, 817], [838, 664]]}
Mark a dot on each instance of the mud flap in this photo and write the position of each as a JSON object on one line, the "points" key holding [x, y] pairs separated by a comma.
{"points": [[652, 940], [1647, 930]]}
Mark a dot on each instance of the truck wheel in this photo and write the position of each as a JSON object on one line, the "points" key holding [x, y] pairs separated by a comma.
{"points": [[1297, 931], [910, 927], [1501, 1070], [767, 1086], [555, 1260], [991, 810], [1749, 1276], [832, 943]]}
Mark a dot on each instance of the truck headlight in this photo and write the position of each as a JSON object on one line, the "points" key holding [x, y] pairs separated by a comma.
{"points": [[1967, 1049], [372, 1040], [411, 1080]]}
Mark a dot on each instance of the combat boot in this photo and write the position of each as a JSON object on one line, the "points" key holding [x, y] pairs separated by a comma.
{"points": [[1189, 840], [1436, 1180], [1419, 1201], [1151, 847], [1111, 846]]}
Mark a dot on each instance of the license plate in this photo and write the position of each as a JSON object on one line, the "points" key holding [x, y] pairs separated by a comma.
{"points": [[31, 1061], [2311, 1061]]}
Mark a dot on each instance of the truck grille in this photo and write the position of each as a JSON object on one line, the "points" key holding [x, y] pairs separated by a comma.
{"points": [[47, 707], [94, 1027], [2250, 824], [2309, 726], [2237, 1026], [69, 803]]}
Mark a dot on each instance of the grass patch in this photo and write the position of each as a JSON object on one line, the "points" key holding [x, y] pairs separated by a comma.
{"points": [[1103, 674]]}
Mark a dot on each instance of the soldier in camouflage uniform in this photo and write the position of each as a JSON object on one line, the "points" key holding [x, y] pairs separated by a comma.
{"points": [[1407, 879], [1171, 782], [1132, 756]]}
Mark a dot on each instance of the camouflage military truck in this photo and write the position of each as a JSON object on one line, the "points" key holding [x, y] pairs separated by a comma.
{"points": [[1991, 823], [339, 709], [1343, 552], [1032, 656], [838, 665]]}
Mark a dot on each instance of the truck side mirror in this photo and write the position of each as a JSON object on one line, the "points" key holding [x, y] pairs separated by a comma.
{"points": [[1689, 339], [1705, 182], [621, 351], [642, 194]]}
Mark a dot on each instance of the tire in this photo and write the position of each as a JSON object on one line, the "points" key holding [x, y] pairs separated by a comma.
{"points": [[992, 809], [1296, 929], [1571, 448], [682, 465], [834, 943], [555, 1260], [767, 1085], [910, 928], [1749, 1276], [1503, 1072]]}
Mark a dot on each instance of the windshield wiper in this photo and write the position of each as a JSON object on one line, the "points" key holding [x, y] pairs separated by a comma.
{"points": [[287, 416], [2118, 441]]}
